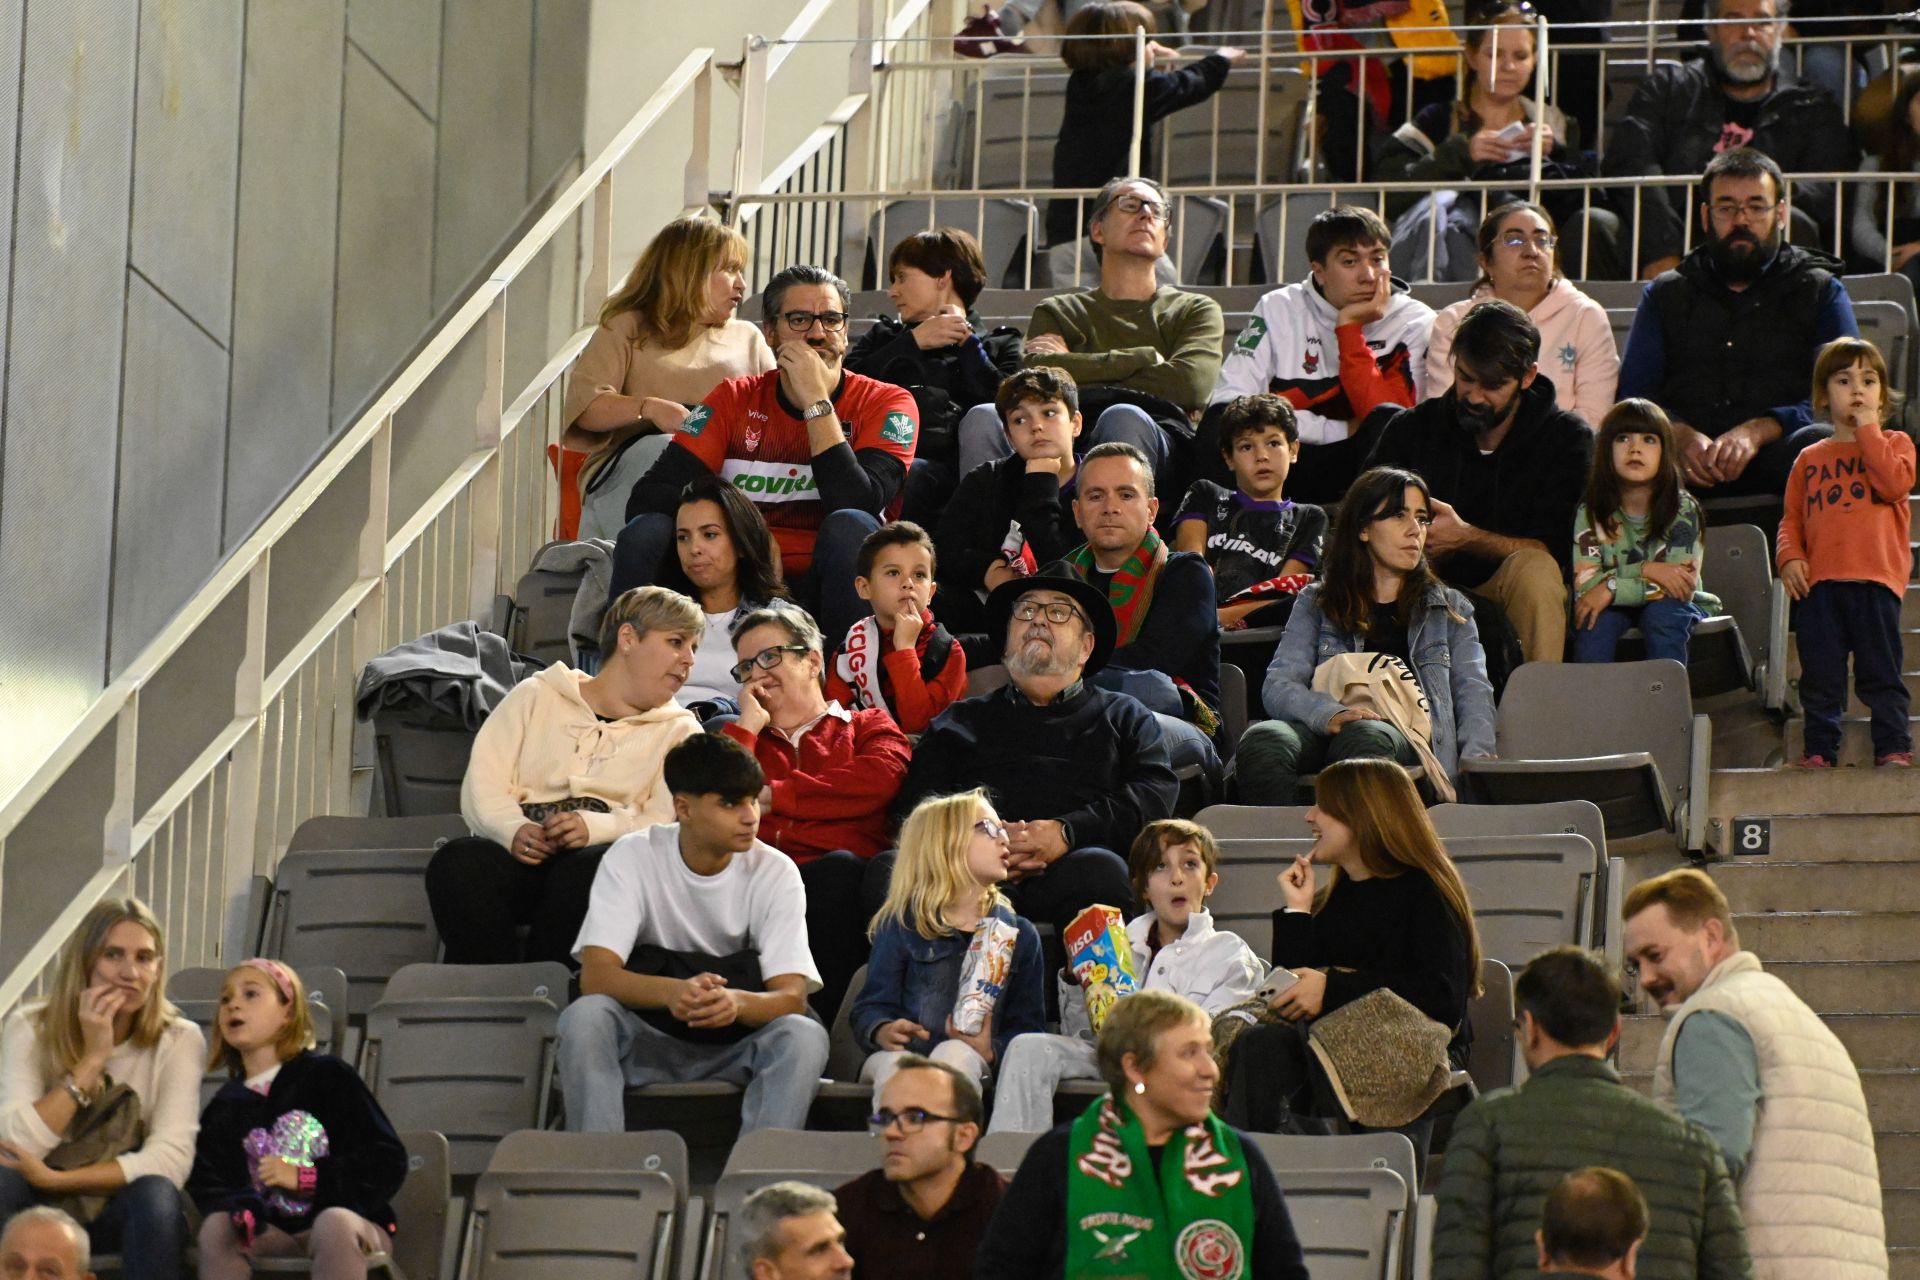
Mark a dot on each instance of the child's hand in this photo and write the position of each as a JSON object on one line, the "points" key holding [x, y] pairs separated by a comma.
{"points": [[272, 1171], [1676, 581], [1797, 578], [1588, 608], [898, 1034], [907, 627], [1296, 882], [981, 1043]]}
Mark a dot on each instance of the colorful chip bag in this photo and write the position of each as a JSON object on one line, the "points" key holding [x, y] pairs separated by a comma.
{"points": [[1101, 958], [983, 974]]}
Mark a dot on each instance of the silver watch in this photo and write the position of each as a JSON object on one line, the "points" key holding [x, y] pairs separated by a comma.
{"points": [[818, 409]]}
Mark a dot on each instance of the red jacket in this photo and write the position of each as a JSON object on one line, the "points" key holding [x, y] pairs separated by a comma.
{"points": [[832, 789], [918, 683]]}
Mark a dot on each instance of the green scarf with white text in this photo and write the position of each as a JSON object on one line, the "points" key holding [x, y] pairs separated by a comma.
{"points": [[1125, 1221]]}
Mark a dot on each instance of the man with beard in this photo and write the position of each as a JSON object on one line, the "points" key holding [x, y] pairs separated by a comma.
{"points": [[1507, 468], [1076, 770], [1726, 342], [1682, 116]]}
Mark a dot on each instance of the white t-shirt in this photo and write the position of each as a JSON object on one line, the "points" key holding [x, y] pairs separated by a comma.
{"points": [[712, 674], [645, 892]]}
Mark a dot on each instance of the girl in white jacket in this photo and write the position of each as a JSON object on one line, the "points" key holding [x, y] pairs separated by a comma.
{"points": [[1175, 948]]}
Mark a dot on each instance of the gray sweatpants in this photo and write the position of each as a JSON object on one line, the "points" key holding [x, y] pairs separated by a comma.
{"points": [[1034, 1066]]}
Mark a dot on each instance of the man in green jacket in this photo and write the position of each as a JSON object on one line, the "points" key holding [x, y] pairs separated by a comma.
{"points": [[1509, 1148]]}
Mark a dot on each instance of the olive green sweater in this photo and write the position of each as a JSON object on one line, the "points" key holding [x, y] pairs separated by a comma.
{"points": [[1168, 345], [1510, 1147]]}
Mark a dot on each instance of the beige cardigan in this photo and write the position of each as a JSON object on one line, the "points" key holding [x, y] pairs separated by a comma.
{"points": [[615, 363]]}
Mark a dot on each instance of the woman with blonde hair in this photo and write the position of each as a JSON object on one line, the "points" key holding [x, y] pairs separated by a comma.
{"points": [[946, 885], [100, 1093], [667, 337], [1393, 917]]}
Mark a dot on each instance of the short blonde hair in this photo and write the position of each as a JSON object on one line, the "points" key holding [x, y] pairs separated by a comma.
{"points": [[648, 609], [1690, 897], [1134, 1027], [293, 1038]]}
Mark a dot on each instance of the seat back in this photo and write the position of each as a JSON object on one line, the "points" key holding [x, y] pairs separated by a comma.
{"points": [[539, 623], [1576, 817], [1283, 248], [984, 680], [1529, 892], [1012, 122], [1490, 1059], [1218, 142], [1350, 1221], [1884, 324], [420, 1209], [1895, 287], [1620, 321], [844, 1056], [545, 1150], [1256, 844], [475, 1069], [1620, 707], [1003, 228], [1004, 1151], [767, 1156], [1233, 703], [585, 1224], [362, 908], [421, 765], [1297, 1153], [541, 980]]}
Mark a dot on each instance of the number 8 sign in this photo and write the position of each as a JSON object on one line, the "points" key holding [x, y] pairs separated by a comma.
{"points": [[1752, 837]]}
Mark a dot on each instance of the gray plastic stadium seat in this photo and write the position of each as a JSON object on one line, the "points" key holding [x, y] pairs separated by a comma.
{"points": [[1644, 755], [843, 1102], [1577, 817], [1284, 256], [351, 892], [420, 1211], [1351, 1222], [1011, 123], [1895, 287], [196, 993], [1233, 704], [1194, 258], [1620, 321], [983, 680], [1614, 295], [1738, 567], [546, 980], [1529, 892], [1297, 1153], [1885, 325], [1443, 293], [1004, 1151], [588, 1206], [421, 764], [764, 1157], [1490, 1058], [475, 1069], [539, 614], [1005, 230]]}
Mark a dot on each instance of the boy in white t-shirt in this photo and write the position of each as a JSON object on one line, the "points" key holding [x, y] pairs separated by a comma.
{"points": [[688, 898]]}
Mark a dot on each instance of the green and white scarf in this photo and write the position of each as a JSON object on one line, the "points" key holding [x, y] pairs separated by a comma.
{"points": [[1125, 1221]]}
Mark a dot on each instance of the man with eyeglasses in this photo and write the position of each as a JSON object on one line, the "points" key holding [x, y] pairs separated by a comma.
{"points": [[1726, 342], [1509, 1148], [1076, 770], [922, 1213], [1683, 115], [822, 452]]}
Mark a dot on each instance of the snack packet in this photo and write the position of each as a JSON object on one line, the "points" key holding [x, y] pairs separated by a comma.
{"points": [[983, 974], [1101, 958]]}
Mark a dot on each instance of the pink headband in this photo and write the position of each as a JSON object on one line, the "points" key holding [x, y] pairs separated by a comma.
{"points": [[282, 977]]}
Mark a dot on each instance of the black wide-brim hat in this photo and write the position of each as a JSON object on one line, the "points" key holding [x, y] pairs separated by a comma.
{"points": [[1060, 577]]}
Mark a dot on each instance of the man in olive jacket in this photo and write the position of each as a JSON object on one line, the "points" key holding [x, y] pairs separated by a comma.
{"points": [[1510, 1147]]}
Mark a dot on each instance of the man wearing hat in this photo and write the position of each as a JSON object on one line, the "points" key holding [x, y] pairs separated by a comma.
{"points": [[1076, 771]]}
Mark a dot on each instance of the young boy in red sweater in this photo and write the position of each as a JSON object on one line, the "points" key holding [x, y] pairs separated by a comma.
{"points": [[1843, 553], [899, 659]]}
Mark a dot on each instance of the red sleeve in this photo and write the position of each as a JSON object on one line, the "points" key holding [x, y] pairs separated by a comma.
{"points": [[888, 420], [1367, 385], [862, 782], [1889, 459], [917, 701], [714, 418], [838, 690], [1792, 542]]}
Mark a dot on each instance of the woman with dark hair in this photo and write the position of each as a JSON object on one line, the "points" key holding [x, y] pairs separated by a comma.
{"points": [[1392, 918], [1885, 231], [1148, 1181], [725, 560], [1377, 594], [1520, 263]]}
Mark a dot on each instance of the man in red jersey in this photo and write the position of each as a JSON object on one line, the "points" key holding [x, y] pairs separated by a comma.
{"points": [[820, 451]]}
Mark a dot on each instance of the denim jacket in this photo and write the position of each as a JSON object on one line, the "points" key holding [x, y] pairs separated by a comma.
{"points": [[909, 976], [1446, 656]]}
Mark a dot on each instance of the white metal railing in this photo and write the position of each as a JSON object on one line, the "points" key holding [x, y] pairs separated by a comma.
{"points": [[362, 554]]}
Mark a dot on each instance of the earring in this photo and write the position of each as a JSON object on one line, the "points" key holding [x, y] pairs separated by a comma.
{"points": [[1139, 1086]]}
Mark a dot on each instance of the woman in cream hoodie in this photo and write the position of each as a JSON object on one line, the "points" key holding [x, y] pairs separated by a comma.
{"points": [[1519, 264], [567, 764]]}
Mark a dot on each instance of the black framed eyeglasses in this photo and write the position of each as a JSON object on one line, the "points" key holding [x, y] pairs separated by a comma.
{"points": [[1056, 613], [765, 660], [1135, 205], [911, 1120], [801, 321], [1751, 210]]}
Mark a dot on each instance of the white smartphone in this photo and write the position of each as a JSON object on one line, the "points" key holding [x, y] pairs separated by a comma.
{"points": [[1277, 981], [1513, 132]]}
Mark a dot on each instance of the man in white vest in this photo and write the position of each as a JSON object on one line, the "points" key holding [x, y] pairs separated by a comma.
{"points": [[1749, 1061]]}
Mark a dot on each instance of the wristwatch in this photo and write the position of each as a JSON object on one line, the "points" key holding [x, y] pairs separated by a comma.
{"points": [[818, 409], [80, 1096]]}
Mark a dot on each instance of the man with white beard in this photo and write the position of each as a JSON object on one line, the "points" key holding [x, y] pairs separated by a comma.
{"points": [[1076, 771]]}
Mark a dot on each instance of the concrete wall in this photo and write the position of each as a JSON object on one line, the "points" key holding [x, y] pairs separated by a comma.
{"points": [[227, 225]]}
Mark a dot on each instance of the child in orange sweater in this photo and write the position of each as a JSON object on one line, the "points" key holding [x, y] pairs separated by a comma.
{"points": [[1843, 554], [898, 659]]}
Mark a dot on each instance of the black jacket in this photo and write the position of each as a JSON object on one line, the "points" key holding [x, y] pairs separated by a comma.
{"points": [[1527, 488], [1091, 759], [1676, 120], [1027, 1239], [362, 1170], [946, 381], [989, 499]]}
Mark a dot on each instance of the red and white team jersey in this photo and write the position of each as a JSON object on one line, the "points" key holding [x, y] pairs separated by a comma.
{"points": [[744, 434]]}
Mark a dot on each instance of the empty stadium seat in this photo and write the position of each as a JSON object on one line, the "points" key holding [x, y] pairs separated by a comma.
{"points": [[580, 1205], [1737, 566], [351, 892], [421, 764], [1004, 1151], [1490, 1058], [1895, 287], [1233, 705], [1645, 752], [1281, 250], [843, 1102], [1351, 1222], [547, 980], [1529, 892], [536, 620], [196, 993], [1576, 817], [1885, 324]]}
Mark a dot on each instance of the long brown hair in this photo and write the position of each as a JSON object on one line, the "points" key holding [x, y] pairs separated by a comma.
{"points": [[1630, 416], [1485, 18], [62, 1044], [667, 289], [1898, 157], [1346, 569], [1393, 834]]}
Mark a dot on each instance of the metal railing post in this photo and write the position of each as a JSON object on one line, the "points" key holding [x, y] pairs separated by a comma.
{"points": [[489, 428], [748, 156], [1139, 101], [697, 192]]}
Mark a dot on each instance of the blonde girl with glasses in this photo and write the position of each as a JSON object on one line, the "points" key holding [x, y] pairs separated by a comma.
{"points": [[946, 883]]}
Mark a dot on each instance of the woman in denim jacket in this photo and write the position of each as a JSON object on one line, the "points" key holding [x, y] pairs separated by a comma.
{"points": [[953, 856], [1377, 595]]}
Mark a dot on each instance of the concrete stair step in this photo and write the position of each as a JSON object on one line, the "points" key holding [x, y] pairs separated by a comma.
{"points": [[1769, 884], [1899, 1158], [1856, 739], [1890, 987], [1875, 1041], [1831, 935], [1906, 1264], [1845, 837], [1910, 606], [1760, 793], [1901, 1208]]}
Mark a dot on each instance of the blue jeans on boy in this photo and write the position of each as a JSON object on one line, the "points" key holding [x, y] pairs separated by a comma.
{"points": [[143, 1221], [1667, 625], [1861, 618]]}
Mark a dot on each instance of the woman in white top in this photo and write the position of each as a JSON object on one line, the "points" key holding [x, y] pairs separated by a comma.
{"points": [[725, 559], [105, 1022], [667, 337]]}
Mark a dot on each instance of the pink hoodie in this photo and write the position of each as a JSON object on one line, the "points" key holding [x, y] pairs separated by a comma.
{"points": [[1577, 352]]}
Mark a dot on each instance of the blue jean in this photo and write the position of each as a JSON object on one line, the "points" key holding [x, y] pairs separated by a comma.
{"points": [[826, 588], [1155, 690], [144, 1221], [1667, 626], [606, 1047], [1861, 618], [1274, 754], [983, 437]]}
